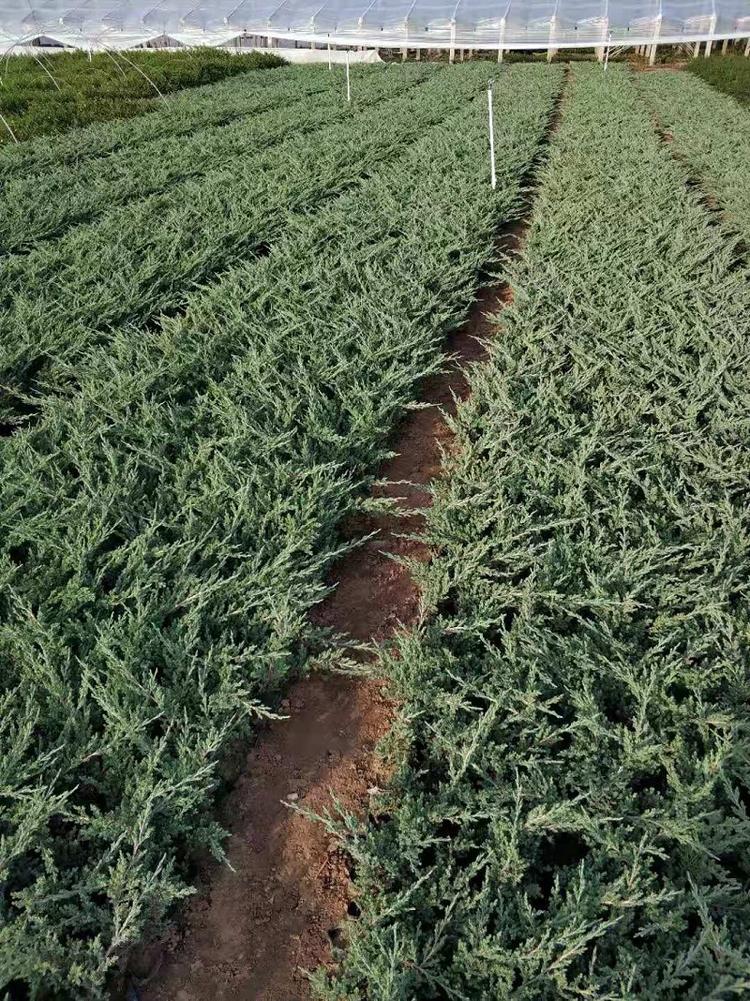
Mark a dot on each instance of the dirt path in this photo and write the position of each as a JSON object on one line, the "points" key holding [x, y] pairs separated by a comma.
{"points": [[252, 930]]}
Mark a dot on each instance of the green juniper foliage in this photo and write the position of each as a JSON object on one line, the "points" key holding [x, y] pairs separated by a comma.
{"points": [[168, 515], [39, 206], [147, 256], [710, 135], [182, 114], [730, 73], [45, 94], [568, 817]]}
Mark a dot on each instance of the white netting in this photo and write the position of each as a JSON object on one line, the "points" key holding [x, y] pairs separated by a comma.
{"points": [[492, 24]]}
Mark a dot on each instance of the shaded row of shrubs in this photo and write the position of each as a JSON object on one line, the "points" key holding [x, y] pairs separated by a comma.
{"points": [[107, 86]]}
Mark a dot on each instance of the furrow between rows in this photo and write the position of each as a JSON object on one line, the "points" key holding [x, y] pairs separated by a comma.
{"points": [[167, 527], [568, 811]]}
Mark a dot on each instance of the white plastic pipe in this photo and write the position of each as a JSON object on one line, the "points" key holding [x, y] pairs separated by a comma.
{"points": [[606, 52], [330, 61], [12, 134], [710, 42], [493, 175], [348, 81]]}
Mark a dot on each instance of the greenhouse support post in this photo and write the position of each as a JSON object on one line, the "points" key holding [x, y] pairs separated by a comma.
{"points": [[348, 81], [654, 43], [747, 49], [493, 176], [710, 40], [330, 63], [606, 52], [501, 40]]}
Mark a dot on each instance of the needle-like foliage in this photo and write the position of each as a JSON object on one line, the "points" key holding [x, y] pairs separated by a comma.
{"points": [[39, 96], [181, 114], [147, 256], [710, 134], [41, 206], [569, 813], [167, 522]]}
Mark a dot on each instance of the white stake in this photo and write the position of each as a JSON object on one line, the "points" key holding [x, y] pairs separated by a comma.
{"points": [[348, 83], [13, 136], [606, 52], [330, 64], [493, 176]]}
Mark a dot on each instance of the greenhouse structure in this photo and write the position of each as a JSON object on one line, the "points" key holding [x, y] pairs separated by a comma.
{"points": [[496, 25]]}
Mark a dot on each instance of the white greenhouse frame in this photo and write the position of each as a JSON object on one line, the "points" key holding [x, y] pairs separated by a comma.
{"points": [[496, 25]]}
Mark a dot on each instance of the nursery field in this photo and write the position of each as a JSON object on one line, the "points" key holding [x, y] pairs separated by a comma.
{"points": [[212, 319], [181, 444], [729, 73], [43, 94], [569, 814]]}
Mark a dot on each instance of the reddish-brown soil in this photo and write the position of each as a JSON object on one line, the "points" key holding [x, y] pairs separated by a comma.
{"points": [[374, 593], [252, 930]]}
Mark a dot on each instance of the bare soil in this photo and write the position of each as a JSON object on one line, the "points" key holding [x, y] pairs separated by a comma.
{"points": [[252, 930], [659, 67]]}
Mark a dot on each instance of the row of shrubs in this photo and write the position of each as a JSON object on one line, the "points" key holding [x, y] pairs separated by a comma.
{"points": [[46, 95]]}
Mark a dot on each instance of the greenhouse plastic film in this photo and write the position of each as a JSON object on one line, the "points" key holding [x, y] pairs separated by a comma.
{"points": [[486, 24]]}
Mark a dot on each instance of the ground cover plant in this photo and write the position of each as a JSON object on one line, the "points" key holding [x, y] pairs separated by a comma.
{"points": [[42, 94], [182, 114], [147, 256], [166, 524], [711, 137], [44, 205], [729, 73], [569, 813]]}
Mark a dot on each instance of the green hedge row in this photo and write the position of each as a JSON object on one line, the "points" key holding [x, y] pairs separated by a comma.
{"points": [[710, 136], [48, 95], [166, 525], [149, 255], [36, 208], [568, 816], [39, 206], [184, 113], [729, 73]]}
